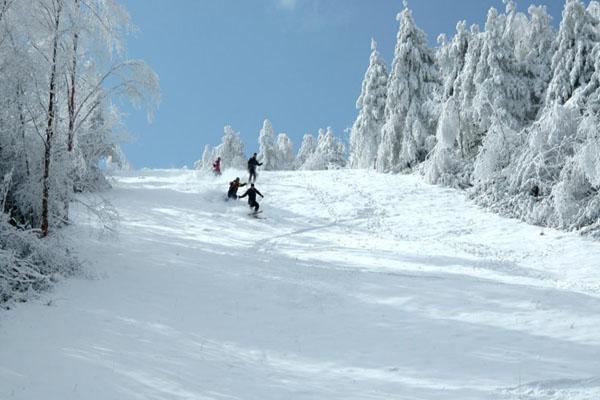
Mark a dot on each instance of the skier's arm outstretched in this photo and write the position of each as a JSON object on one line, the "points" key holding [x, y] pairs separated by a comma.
{"points": [[244, 195], [259, 193]]}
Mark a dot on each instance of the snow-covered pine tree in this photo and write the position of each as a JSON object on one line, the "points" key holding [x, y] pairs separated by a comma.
{"points": [[550, 179], [534, 51], [509, 94], [205, 163], [231, 150], [555, 181], [502, 102], [408, 133], [500, 79], [465, 90], [306, 150], [285, 152], [562, 162], [266, 140], [364, 136], [451, 59], [552, 139], [446, 161], [572, 63], [445, 166], [329, 153]]}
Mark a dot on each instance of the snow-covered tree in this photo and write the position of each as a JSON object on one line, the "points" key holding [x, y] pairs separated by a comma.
{"points": [[205, 163], [445, 165], [231, 150], [94, 144], [408, 133], [501, 84], [465, 90], [544, 179], [266, 140], [305, 152], [285, 152], [329, 153], [534, 51], [62, 67], [364, 136], [450, 58], [573, 62]]}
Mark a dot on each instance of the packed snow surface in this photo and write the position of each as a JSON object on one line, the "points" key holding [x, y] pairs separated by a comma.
{"points": [[353, 286]]}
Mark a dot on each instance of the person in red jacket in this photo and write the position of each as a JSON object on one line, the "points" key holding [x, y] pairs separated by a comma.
{"points": [[217, 166]]}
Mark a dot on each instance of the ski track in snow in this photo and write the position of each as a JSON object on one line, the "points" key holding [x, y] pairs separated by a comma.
{"points": [[355, 286]]}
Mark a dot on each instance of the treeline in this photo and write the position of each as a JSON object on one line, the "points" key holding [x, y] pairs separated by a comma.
{"points": [[61, 65], [510, 112], [327, 151]]}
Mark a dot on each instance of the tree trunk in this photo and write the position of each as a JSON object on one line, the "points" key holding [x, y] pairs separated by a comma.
{"points": [[71, 111], [50, 123], [460, 138], [20, 96], [72, 89]]}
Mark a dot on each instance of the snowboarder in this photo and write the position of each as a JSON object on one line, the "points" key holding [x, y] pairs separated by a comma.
{"points": [[234, 185], [217, 167], [251, 193], [252, 164]]}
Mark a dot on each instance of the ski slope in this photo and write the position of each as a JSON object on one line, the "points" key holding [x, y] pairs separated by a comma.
{"points": [[354, 286]]}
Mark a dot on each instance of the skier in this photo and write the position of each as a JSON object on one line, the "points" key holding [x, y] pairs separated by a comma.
{"points": [[251, 193], [252, 164], [217, 167], [233, 188]]}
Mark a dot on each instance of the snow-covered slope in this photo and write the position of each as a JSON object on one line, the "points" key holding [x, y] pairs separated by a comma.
{"points": [[354, 286]]}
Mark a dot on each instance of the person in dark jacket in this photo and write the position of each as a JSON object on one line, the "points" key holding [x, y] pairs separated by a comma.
{"points": [[233, 188], [251, 193], [252, 164]]}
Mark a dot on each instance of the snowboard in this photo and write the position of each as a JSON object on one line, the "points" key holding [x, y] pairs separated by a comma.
{"points": [[256, 215]]}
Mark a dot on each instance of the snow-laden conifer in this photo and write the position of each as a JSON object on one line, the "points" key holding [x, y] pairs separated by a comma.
{"points": [[451, 57], [365, 133], [285, 152], [445, 162], [306, 150], [534, 51], [501, 85], [231, 150], [445, 166], [572, 63], [406, 136], [329, 152], [267, 153], [465, 90], [205, 163]]}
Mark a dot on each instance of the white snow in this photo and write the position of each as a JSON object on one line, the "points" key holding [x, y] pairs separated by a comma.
{"points": [[354, 286]]}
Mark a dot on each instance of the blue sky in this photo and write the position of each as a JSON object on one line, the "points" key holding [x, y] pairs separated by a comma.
{"points": [[299, 63]]}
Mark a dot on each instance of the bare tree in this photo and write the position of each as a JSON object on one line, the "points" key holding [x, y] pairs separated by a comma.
{"points": [[50, 125]]}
